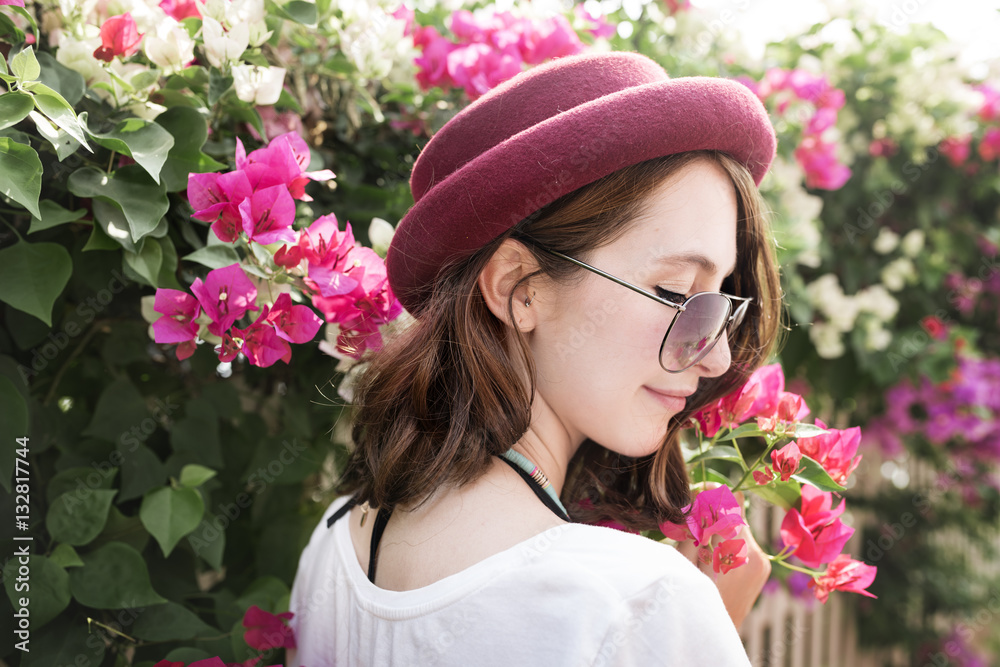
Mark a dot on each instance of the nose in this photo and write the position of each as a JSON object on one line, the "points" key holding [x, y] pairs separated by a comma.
{"points": [[718, 359]]}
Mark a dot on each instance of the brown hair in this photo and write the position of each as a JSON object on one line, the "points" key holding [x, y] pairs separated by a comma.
{"points": [[445, 395]]}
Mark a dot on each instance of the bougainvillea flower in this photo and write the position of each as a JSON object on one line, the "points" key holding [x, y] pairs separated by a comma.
{"points": [[819, 160], [179, 310], [12, 3], [729, 555], [288, 256], [815, 535], [181, 9], [834, 450], [713, 512], [268, 215], [296, 324], [266, 631], [216, 198], [844, 574], [261, 343], [786, 460], [760, 395], [225, 295], [601, 26], [119, 37], [791, 409], [282, 161], [763, 476], [324, 245]]}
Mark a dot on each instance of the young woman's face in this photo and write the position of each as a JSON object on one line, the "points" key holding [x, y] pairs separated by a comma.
{"points": [[596, 343]]}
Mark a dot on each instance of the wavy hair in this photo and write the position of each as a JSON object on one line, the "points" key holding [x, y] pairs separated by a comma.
{"points": [[445, 395]]}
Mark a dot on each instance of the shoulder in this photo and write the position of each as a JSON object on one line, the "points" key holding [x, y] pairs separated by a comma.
{"points": [[656, 602]]}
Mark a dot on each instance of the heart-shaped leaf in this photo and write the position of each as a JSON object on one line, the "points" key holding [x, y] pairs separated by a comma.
{"points": [[142, 201], [32, 275], [113, 576], [143, 140], [14, 107], [77, 518], [20, 174], [169, 514]]}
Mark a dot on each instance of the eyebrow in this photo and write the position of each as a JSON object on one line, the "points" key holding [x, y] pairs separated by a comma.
{"points": [[694, 258]]}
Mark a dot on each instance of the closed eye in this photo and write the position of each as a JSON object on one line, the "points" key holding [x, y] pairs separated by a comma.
{"points": [[670, 296]]}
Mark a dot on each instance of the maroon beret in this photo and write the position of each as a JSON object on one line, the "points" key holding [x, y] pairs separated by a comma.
{"points": [[550, 130]]}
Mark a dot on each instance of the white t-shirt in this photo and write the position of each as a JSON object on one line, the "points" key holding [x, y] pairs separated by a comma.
{"points": [[574, 595]]}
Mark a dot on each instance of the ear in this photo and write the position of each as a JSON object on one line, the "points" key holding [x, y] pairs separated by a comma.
{"points": [[511, 261]]}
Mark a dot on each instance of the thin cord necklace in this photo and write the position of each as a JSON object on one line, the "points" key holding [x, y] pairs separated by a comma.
{"points": [[536, 474]]}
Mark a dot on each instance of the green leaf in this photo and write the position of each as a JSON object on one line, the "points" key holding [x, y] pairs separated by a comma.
{"points": [[194, 475], [63, 144], [75, 518], [218, 84], [25, 66], [13, 425], [14, 107], [113, 576], [147, 262], [143, 140], [59, 111], [7, 27], [68, 83], [62, 643], [807, 431], [49, 588], [209, 540], [746, 430], [782, 494], [298, 11], [80, 479], [214, 256], [699, 475], [20, 174], [721, 452], [121, 415], [170, 621], [65, 556], [52, 215], [26, 15], [169, 514], [32, 275], [142, 201], [127, 530], [99, 239], [190, 131], [814, 474], [141, 470]]}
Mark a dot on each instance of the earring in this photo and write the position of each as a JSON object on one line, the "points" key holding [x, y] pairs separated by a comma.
{"points": [[527, 301]]}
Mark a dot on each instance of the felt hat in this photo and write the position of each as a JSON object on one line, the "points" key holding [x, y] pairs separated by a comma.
{"points": [[550, 130]]}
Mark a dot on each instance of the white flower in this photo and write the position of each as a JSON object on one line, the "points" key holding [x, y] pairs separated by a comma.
{"points": [[877, 337], [222, 47], [896, 273], [827, 340], [826, 294], [877, 300], [913, 242], [245, 11], [380, 234], [170, 48], [78, 55], [258, 85], [886, 241]]}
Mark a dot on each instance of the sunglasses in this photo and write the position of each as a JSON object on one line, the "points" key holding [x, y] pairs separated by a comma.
{"points": [[695, 329]]}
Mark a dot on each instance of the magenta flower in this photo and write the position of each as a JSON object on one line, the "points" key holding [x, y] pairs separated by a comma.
{"points": [[786, 461], [713, 512], [815, 535], [761, 395], [179, 310], [823, 169], [226, 295], [296, 324], [844, 574], [180, 9], [989, 147], [601, 26], [119, 37], [834, 450], [268, 215], [729, 555], [12, 3], [281, 162], [956, 149], [266, 631], [323, 244], [261, 343], [216, 198]]}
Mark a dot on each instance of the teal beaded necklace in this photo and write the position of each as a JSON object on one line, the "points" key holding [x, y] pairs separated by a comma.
{"points": [[536, 473]]}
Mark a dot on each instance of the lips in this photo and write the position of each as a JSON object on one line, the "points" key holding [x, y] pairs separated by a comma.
{"points": [[676, 393], [674, 402]]}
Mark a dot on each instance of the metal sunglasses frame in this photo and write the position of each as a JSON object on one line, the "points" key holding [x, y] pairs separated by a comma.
{"points": [[680, 307]]}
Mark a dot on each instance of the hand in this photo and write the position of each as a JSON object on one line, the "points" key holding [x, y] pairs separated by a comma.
{"points": [[741, 586]]}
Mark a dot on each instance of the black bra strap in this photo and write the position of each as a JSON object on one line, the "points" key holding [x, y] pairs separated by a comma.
{"points": [[344, 509], [539, 491], [380, 521]]}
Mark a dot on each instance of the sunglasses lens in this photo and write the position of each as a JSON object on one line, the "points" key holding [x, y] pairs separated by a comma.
{"points": [[694, 331]]}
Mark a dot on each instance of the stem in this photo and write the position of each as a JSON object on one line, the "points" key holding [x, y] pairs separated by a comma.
{"points": [[19, 237], [111, 161], [770, 446], [783, 563], [91, 621], [62, 369]]}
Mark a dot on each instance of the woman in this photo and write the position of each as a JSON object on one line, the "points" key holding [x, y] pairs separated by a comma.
{"points": [[562, 224]]}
